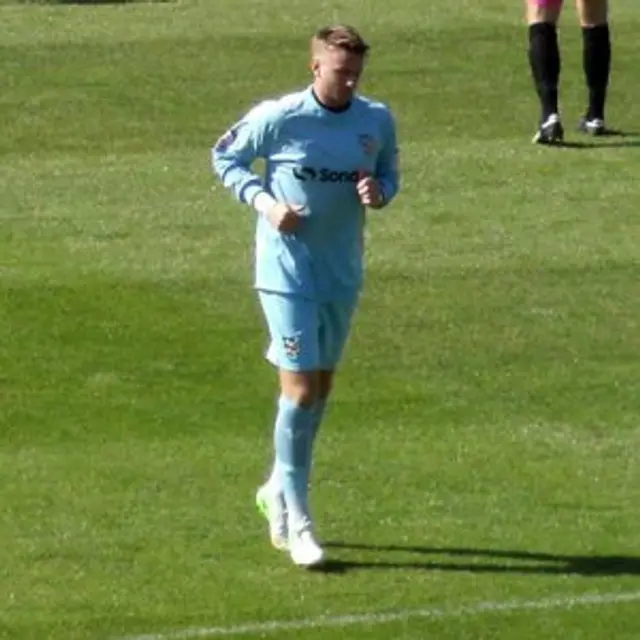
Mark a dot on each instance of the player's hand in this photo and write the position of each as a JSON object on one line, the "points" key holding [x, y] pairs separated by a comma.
{"points": [[369, 191], [285, 218]]}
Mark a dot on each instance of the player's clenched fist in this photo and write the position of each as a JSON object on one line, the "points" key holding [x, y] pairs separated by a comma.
{"points": [[285, 218], [369, 191]]}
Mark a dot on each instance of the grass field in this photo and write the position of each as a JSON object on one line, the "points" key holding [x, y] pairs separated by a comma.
{"points": [[478, 475]]}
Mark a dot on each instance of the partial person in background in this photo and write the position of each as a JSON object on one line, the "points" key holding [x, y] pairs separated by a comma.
{"points": [[544, 58]]}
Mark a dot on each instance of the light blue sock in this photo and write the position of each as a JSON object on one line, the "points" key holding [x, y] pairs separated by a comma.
{"points": [[318, 414], [292, 435]]}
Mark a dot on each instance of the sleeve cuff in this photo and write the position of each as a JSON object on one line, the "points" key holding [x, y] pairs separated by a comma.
{"points": [[263, 202], [250, 192]]}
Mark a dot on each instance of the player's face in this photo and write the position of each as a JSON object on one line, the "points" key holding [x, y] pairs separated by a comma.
{"points": [[336, 74]]}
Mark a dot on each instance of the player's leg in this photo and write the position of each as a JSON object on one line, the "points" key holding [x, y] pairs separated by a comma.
{"points": [[325, 386], [293, 326], [544, 60], [596, 57], [335, 326], [295, 425], [333, 330], [283, 499]]}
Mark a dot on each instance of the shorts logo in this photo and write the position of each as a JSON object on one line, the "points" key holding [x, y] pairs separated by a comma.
{"points": [[368, 144], [292, 347]]}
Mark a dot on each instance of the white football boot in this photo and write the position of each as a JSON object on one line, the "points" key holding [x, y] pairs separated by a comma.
{"points": [[272, 506], [304, 548]]}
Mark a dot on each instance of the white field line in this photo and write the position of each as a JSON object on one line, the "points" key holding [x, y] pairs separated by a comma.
{"points": [[325, 622]]}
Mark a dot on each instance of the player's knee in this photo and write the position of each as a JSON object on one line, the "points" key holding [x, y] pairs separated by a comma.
{"points": [[301, 387], [592, 12], [543, 11]]}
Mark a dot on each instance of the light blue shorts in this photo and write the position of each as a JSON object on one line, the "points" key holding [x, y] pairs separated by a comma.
{"points": [[306, 335]]}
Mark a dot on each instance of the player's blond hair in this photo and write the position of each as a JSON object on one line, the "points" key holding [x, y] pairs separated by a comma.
{"points": [[339, 36]]}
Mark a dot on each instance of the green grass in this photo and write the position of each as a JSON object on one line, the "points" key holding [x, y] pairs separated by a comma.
{"points": [[483, 441]]}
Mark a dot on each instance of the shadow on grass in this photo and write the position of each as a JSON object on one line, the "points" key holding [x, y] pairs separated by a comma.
{"points": [[612, 139], [484, 561]]}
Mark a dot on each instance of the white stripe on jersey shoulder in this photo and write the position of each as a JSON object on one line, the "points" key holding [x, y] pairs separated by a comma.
{"points": [[376, 106], [278, 106]]}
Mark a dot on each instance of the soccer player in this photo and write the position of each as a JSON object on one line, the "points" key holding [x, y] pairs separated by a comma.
{"points": [[330, 155], [544, 58]]}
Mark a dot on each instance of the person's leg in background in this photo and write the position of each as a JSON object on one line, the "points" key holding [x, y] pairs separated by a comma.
{"points": [[544, 59], [594, 22]]}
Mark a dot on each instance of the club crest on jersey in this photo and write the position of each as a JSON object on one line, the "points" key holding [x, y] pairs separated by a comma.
{"points": [[292, 347], [368, 143]]}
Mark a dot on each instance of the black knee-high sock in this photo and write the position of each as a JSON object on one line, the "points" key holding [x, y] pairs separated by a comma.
{"points": [[544, 58], [596, 61]]}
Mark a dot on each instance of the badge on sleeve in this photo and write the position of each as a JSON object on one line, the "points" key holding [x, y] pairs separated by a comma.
{"points": [[226, 140]]}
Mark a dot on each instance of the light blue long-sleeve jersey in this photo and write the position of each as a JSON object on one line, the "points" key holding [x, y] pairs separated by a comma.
{"points": [[313, 157]]}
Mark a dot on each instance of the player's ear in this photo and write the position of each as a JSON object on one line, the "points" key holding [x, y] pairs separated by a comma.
{"points": [[314, 65]]}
